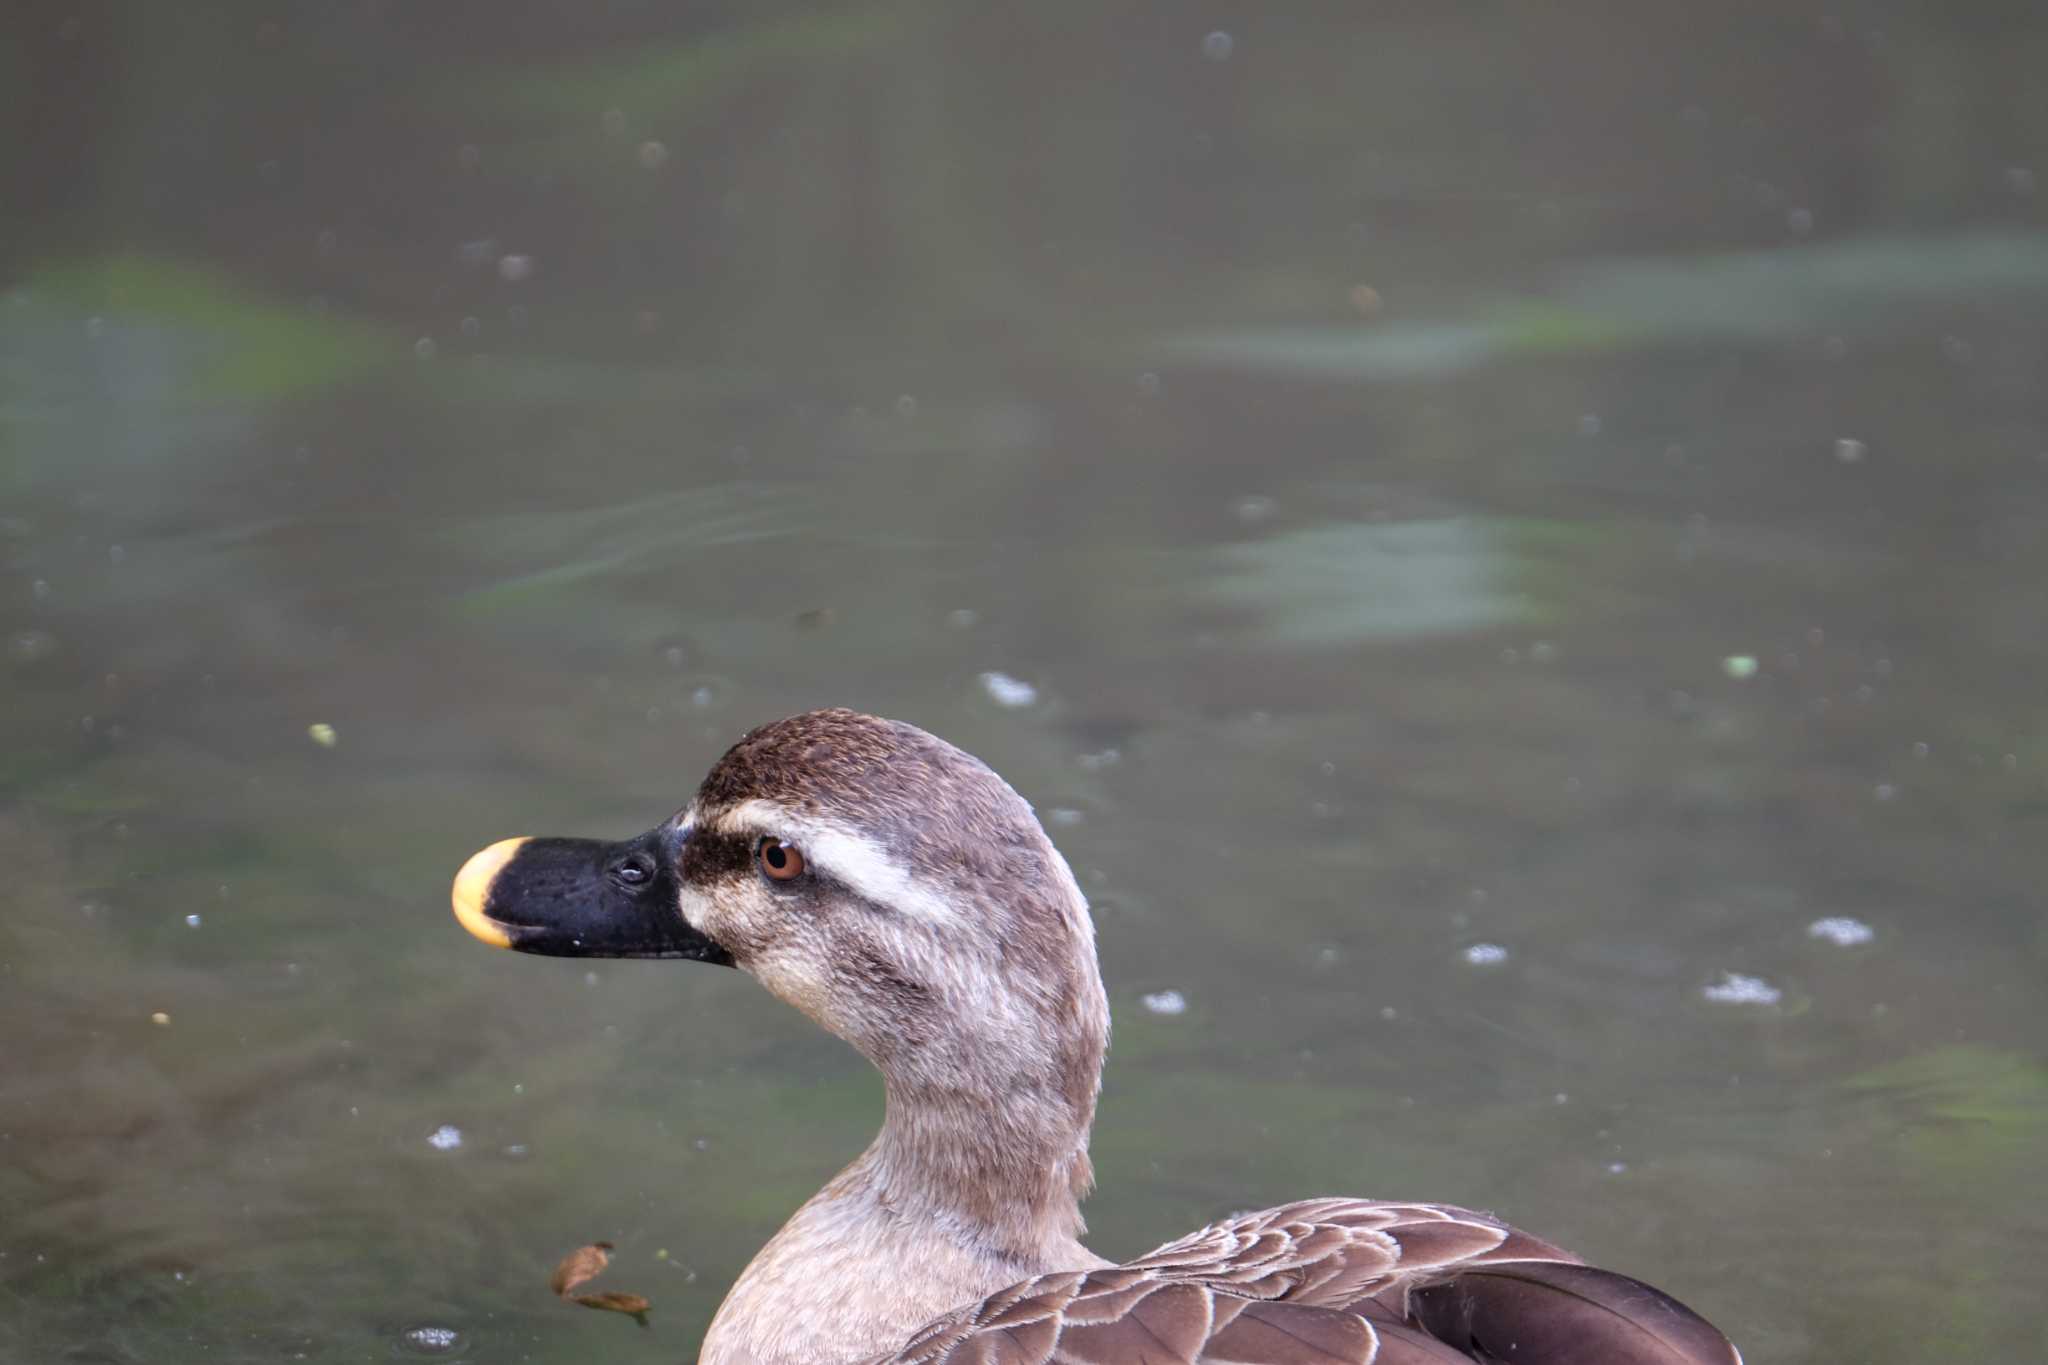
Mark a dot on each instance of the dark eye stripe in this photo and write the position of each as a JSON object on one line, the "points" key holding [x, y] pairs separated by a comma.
{"points": [[708, 856]]}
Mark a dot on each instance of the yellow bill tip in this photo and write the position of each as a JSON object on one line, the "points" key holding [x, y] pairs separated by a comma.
{"points": [[473, 889]]}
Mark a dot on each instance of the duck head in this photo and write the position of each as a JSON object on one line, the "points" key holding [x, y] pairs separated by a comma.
{"points": [[884, 882]]}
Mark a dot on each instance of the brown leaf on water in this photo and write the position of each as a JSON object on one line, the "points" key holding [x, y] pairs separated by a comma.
{"points": [[584, 1263], [611, 1301]]}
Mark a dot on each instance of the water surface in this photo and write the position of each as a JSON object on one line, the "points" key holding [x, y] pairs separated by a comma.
{"points": [[1487, 528]]}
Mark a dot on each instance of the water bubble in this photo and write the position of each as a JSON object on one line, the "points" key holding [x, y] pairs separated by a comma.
{"points": [[1799, 221], [472, 328], [431, 1341], [650, 154], [962, 618], [1740, 667], [1065, 816], [40, 589], [323, 734], [1841, 930], [1104, 758], [28, 646], [446, 1138], [614, 121], [1884, 791], [1921, 748], [1485, 954], [2019, 179], [1008, 691], [160, 1019], [1218, 46], [513, 269], [906, 406], [1148, 384], [1849, 450], [425, 348], [1617, 1168], [1365, 300], [1589, 424], [1734, 988], [1542, 652], [192, 921], [1389, 1012], [1166, 1002], [1254, 508]]}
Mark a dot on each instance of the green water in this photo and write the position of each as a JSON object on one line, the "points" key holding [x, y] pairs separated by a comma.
{"points": [[1572, 479]]}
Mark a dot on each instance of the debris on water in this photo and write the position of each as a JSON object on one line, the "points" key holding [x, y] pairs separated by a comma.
{"points": [[584, 1264], [160, 1019], [192, 921], [1008, 691], [1166, 1002], [446, 1138], [1736, 989], [431, 1341], [1841, 930], [322, 734], [1741, 667], [1485, 954]]}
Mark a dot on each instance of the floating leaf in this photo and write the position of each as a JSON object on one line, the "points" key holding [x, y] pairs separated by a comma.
{"points": [[580, 1266], [611, 1301], [586, 1263]]}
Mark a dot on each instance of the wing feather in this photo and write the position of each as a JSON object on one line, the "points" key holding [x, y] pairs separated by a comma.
{"points": [[1331, 1282]]}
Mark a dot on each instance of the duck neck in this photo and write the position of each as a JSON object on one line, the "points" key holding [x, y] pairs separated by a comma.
{"points": [[1003, 1170]]}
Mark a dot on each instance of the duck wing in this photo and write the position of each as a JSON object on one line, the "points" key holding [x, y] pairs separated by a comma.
{"points": [[1331, 1282]]}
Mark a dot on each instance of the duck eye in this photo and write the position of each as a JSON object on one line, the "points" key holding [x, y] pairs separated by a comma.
{"points": [[779, 861]]}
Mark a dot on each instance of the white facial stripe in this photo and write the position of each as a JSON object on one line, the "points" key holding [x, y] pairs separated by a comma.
{"points": [[854, 860]]}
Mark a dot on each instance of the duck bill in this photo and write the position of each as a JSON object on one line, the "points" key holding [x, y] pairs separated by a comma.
{"points": [[581, 898]]}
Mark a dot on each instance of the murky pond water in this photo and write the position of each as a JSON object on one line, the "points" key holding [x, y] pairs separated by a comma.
{"points": [[1508, 549]]}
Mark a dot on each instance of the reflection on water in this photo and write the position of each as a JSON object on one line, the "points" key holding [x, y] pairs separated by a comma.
{"points": [[1512, 573]]}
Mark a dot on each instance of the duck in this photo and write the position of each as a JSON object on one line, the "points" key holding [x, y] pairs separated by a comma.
{"points": [[898, 892]]}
